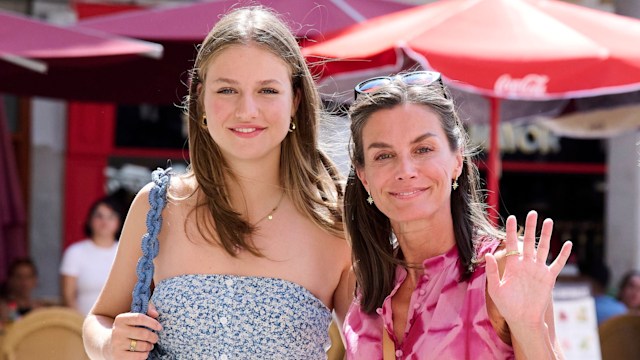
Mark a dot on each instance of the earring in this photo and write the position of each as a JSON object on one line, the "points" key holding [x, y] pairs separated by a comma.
{"points": [[204, 119], [370, 199], [455, 184], [292, 126]]}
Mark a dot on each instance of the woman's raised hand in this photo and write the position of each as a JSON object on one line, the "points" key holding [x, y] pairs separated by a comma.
{"points": [[131, 337], [523, 292]]}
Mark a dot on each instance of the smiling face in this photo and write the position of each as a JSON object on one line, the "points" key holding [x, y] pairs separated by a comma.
{"points": [[249, 102], [408, 163]]}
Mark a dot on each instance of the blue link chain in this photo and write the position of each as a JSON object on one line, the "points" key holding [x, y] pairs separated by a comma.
{"points": [[157, 200]]}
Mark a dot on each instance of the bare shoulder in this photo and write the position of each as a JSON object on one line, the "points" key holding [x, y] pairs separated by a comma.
{"points": [[182, 195], [139, 206], [183, 186], [339, 242], [330, 253], [339, 250], [338, 246], [343, 293]]}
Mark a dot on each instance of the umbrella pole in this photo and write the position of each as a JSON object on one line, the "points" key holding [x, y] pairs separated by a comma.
{"points": [[494, 166]]}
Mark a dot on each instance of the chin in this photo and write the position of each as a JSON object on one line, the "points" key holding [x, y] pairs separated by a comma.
{"points": [[406, 216], [413, 214]]}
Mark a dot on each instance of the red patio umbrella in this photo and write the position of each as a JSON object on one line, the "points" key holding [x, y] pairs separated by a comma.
{"points": [[31, 51], [516, 49]]}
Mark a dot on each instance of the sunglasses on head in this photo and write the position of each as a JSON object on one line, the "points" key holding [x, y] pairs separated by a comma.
{"points": [[422, 78]]}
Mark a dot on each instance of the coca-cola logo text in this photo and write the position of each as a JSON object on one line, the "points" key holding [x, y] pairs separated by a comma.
{"points": [[529, 85]]}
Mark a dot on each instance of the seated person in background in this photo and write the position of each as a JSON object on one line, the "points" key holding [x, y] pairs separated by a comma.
{"points": [[629, 292], [606, 306], [17, 297]]}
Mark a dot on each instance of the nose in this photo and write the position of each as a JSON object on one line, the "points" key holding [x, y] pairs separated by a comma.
{"points": [[247, 107], [406, 169]]}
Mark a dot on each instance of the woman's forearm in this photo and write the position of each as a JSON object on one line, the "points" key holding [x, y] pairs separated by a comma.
{"points": [[533, 343], [96, 334]]}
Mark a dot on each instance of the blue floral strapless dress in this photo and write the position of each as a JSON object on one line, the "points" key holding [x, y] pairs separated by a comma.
{"points": [[228, 317]]}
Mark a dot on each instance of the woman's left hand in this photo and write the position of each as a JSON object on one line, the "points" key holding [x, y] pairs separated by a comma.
{"points": [[523, 292]]}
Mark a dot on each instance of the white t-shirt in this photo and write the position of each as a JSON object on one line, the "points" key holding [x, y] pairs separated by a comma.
{"points": [[90, 264]]}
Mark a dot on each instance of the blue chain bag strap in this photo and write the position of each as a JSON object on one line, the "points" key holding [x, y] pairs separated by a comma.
{"points": [[157, 200]]}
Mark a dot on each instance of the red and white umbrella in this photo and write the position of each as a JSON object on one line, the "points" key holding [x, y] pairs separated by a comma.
{"points": [[514, 49]]}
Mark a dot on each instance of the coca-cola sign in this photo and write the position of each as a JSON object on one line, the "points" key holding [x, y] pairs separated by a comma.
{"points": [[530, 85]]}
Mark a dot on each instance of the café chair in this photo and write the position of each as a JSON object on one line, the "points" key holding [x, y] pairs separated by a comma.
{"points": [[52, 333], [620, 337]]}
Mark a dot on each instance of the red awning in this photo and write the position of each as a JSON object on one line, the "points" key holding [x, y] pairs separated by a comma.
{"points": [[37, 58], [191, 22], [34, 44]]}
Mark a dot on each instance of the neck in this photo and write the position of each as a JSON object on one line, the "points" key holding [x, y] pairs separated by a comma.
{"points": [[103, 240], [255, 188], [423, 239], [263, 170]]}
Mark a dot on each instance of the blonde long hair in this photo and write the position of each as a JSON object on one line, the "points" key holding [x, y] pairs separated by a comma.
{"points": [[308, 176]]}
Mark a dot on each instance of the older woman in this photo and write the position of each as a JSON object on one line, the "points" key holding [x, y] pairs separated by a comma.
{"points": [[435, 279]]}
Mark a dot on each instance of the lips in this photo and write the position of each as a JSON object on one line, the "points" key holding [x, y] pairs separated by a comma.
{"points": [[245, 130], [405, 194]]}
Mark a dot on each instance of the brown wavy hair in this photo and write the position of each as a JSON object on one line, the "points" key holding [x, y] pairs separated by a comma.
{"points": [[375, 255], [307, 175]]}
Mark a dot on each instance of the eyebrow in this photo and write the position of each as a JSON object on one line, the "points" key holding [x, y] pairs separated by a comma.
{"points": [[234, 82], [383, 145]]}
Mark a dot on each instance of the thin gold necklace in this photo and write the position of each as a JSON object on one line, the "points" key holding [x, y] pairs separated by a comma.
{"points": [[269, 215]]}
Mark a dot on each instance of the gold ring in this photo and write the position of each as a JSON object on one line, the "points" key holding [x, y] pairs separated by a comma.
{"points": [[512, 252], [132, 345]]}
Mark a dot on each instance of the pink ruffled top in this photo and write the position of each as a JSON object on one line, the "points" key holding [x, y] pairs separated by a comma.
{"points": [[447, 319]]}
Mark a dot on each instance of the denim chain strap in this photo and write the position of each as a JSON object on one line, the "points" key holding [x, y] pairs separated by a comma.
{"points": [[157, 200]]}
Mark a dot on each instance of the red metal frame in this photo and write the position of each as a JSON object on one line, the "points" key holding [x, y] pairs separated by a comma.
{"points": [[90, 139]]}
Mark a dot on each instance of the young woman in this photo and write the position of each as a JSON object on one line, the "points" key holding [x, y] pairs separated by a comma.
{"points": [[251, 259], [426, 257], [85, 264]]}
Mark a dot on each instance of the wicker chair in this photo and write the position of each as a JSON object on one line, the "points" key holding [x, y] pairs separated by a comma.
{"points": [[47, 333], [620, 338]]}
